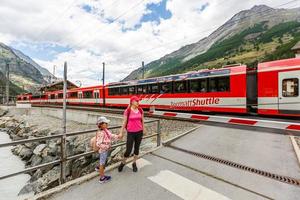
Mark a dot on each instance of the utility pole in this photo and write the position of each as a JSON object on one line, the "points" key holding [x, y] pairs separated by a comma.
{"points": [[64, 127], [143, 69], [54, 66], [7, 82], [103, 82]]}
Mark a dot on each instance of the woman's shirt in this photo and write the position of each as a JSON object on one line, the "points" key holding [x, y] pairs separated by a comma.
{"points": [[134, 121]]}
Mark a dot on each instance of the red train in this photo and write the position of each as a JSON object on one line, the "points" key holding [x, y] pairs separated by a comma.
{"points": [[271, 88]]}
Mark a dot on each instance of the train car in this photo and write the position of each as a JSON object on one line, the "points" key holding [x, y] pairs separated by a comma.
{"points": [[217, 90], [24, 98], [278, 87], [271, 88], [90, 96]]}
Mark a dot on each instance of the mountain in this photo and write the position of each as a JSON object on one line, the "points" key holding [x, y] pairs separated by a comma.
{"points": [[24, 72], [239, 40], [27, 59], [13, 89]]}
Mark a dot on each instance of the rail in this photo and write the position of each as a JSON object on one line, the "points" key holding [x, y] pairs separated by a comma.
{"points": [[63, 156]]}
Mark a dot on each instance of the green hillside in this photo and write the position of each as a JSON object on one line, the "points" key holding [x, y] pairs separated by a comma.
{"points": [[255, 44]]}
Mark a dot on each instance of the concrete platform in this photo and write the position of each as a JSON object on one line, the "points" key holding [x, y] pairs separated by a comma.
{"points": [[172, 174]]}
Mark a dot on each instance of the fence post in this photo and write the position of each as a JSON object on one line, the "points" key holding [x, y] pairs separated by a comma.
{"points": [[64, 124], [158, 133]]}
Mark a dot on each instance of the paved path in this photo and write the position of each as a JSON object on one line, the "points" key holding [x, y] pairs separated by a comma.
{"points": [[172, 174]]}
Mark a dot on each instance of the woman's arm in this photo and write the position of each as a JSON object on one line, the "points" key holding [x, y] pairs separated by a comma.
{"points": [[123, 126]]}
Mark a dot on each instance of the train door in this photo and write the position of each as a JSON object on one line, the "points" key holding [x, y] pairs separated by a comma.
{"points": [[96, 96], [289, 99]]}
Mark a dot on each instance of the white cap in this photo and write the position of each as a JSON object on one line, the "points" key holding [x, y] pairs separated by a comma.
{"points": [[102, 120]]}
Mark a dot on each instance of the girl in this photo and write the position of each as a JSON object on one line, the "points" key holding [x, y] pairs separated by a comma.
{"points": [[103, 140], [134, 124]]}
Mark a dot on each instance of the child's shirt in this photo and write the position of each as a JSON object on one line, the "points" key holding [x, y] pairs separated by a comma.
{"points": [[104, 140]]}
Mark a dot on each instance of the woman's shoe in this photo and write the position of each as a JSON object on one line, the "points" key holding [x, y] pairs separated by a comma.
{"points": [[134, 167], [121, 166]]}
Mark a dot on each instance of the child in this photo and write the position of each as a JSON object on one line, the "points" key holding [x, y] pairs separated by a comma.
{"points": [[103, 140]]}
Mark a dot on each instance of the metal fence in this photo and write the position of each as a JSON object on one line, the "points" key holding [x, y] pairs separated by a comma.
{"points": [[63, 156]]}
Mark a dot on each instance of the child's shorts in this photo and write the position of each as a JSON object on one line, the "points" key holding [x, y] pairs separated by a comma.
{"points": [[102, 158]]}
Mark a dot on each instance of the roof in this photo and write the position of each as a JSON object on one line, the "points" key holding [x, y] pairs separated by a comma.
{"points": [[58, 86], [296, 47]]}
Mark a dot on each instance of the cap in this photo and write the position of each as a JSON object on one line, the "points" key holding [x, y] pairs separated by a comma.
{"points": [[134, 98], [102, 120]]}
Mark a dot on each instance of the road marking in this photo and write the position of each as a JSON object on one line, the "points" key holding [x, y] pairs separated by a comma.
{"points": [[140, 163], [296, 148], [185, 188]]}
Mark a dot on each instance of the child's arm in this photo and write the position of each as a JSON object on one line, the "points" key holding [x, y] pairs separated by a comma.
{"points": [[116, 137]]}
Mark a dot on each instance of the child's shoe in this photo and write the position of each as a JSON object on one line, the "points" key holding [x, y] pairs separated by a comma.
{"points": [[104, 179], [134, 167]]}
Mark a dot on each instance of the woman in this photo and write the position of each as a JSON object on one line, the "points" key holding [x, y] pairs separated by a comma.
{"points": [[134, 124]]}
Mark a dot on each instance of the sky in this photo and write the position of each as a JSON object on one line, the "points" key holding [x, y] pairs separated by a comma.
{"points": [[86, 33]]}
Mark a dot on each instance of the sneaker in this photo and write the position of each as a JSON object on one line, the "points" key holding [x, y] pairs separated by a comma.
{"points": [[120, 168], [97, 168], [104, 179], [134, 167]]}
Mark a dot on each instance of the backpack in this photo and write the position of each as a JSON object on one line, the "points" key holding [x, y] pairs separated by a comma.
{"points": [[93, 143], [128, 110]]}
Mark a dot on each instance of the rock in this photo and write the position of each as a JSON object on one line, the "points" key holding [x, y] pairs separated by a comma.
{"points": [[52, 148], [116, 151], [48, 159], [36, 175], [36, 160], [25, 153], [38, 150], [31, 187], [50, 179]]}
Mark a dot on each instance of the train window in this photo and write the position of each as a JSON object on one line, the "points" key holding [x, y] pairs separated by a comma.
{"points": [[290, 87], [223, 84], [140, 89], [132, 90], [60, 95], [113, 91], [87, 94], [73, 95], [212, 84], [52, 96], [153, 89], [124, 90], [203, 85], [180, 86], [166, 88], [194, 86], [145, 89]]}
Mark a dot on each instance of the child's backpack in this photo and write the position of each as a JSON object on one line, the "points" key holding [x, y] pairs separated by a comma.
{"points": [[93, 143]]}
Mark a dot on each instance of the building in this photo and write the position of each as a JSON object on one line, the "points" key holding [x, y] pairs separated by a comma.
{"points": [[296, 50], [57, 86]]}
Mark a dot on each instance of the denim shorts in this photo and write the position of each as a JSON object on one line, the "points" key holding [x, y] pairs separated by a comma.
{"points": [[102, 158]]}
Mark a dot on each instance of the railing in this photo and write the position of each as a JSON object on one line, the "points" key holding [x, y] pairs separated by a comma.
{"points": [[63, 156]]}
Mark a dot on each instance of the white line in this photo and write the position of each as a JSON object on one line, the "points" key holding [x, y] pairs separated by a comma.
{"points": [[140, 163], [296, 148], [185, 188]]}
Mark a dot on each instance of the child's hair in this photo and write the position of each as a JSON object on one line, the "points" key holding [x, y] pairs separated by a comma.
{"points": [[99, 125]]}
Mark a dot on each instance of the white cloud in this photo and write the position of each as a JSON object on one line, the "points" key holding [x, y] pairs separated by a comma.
{"points": [[93, 40]]}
